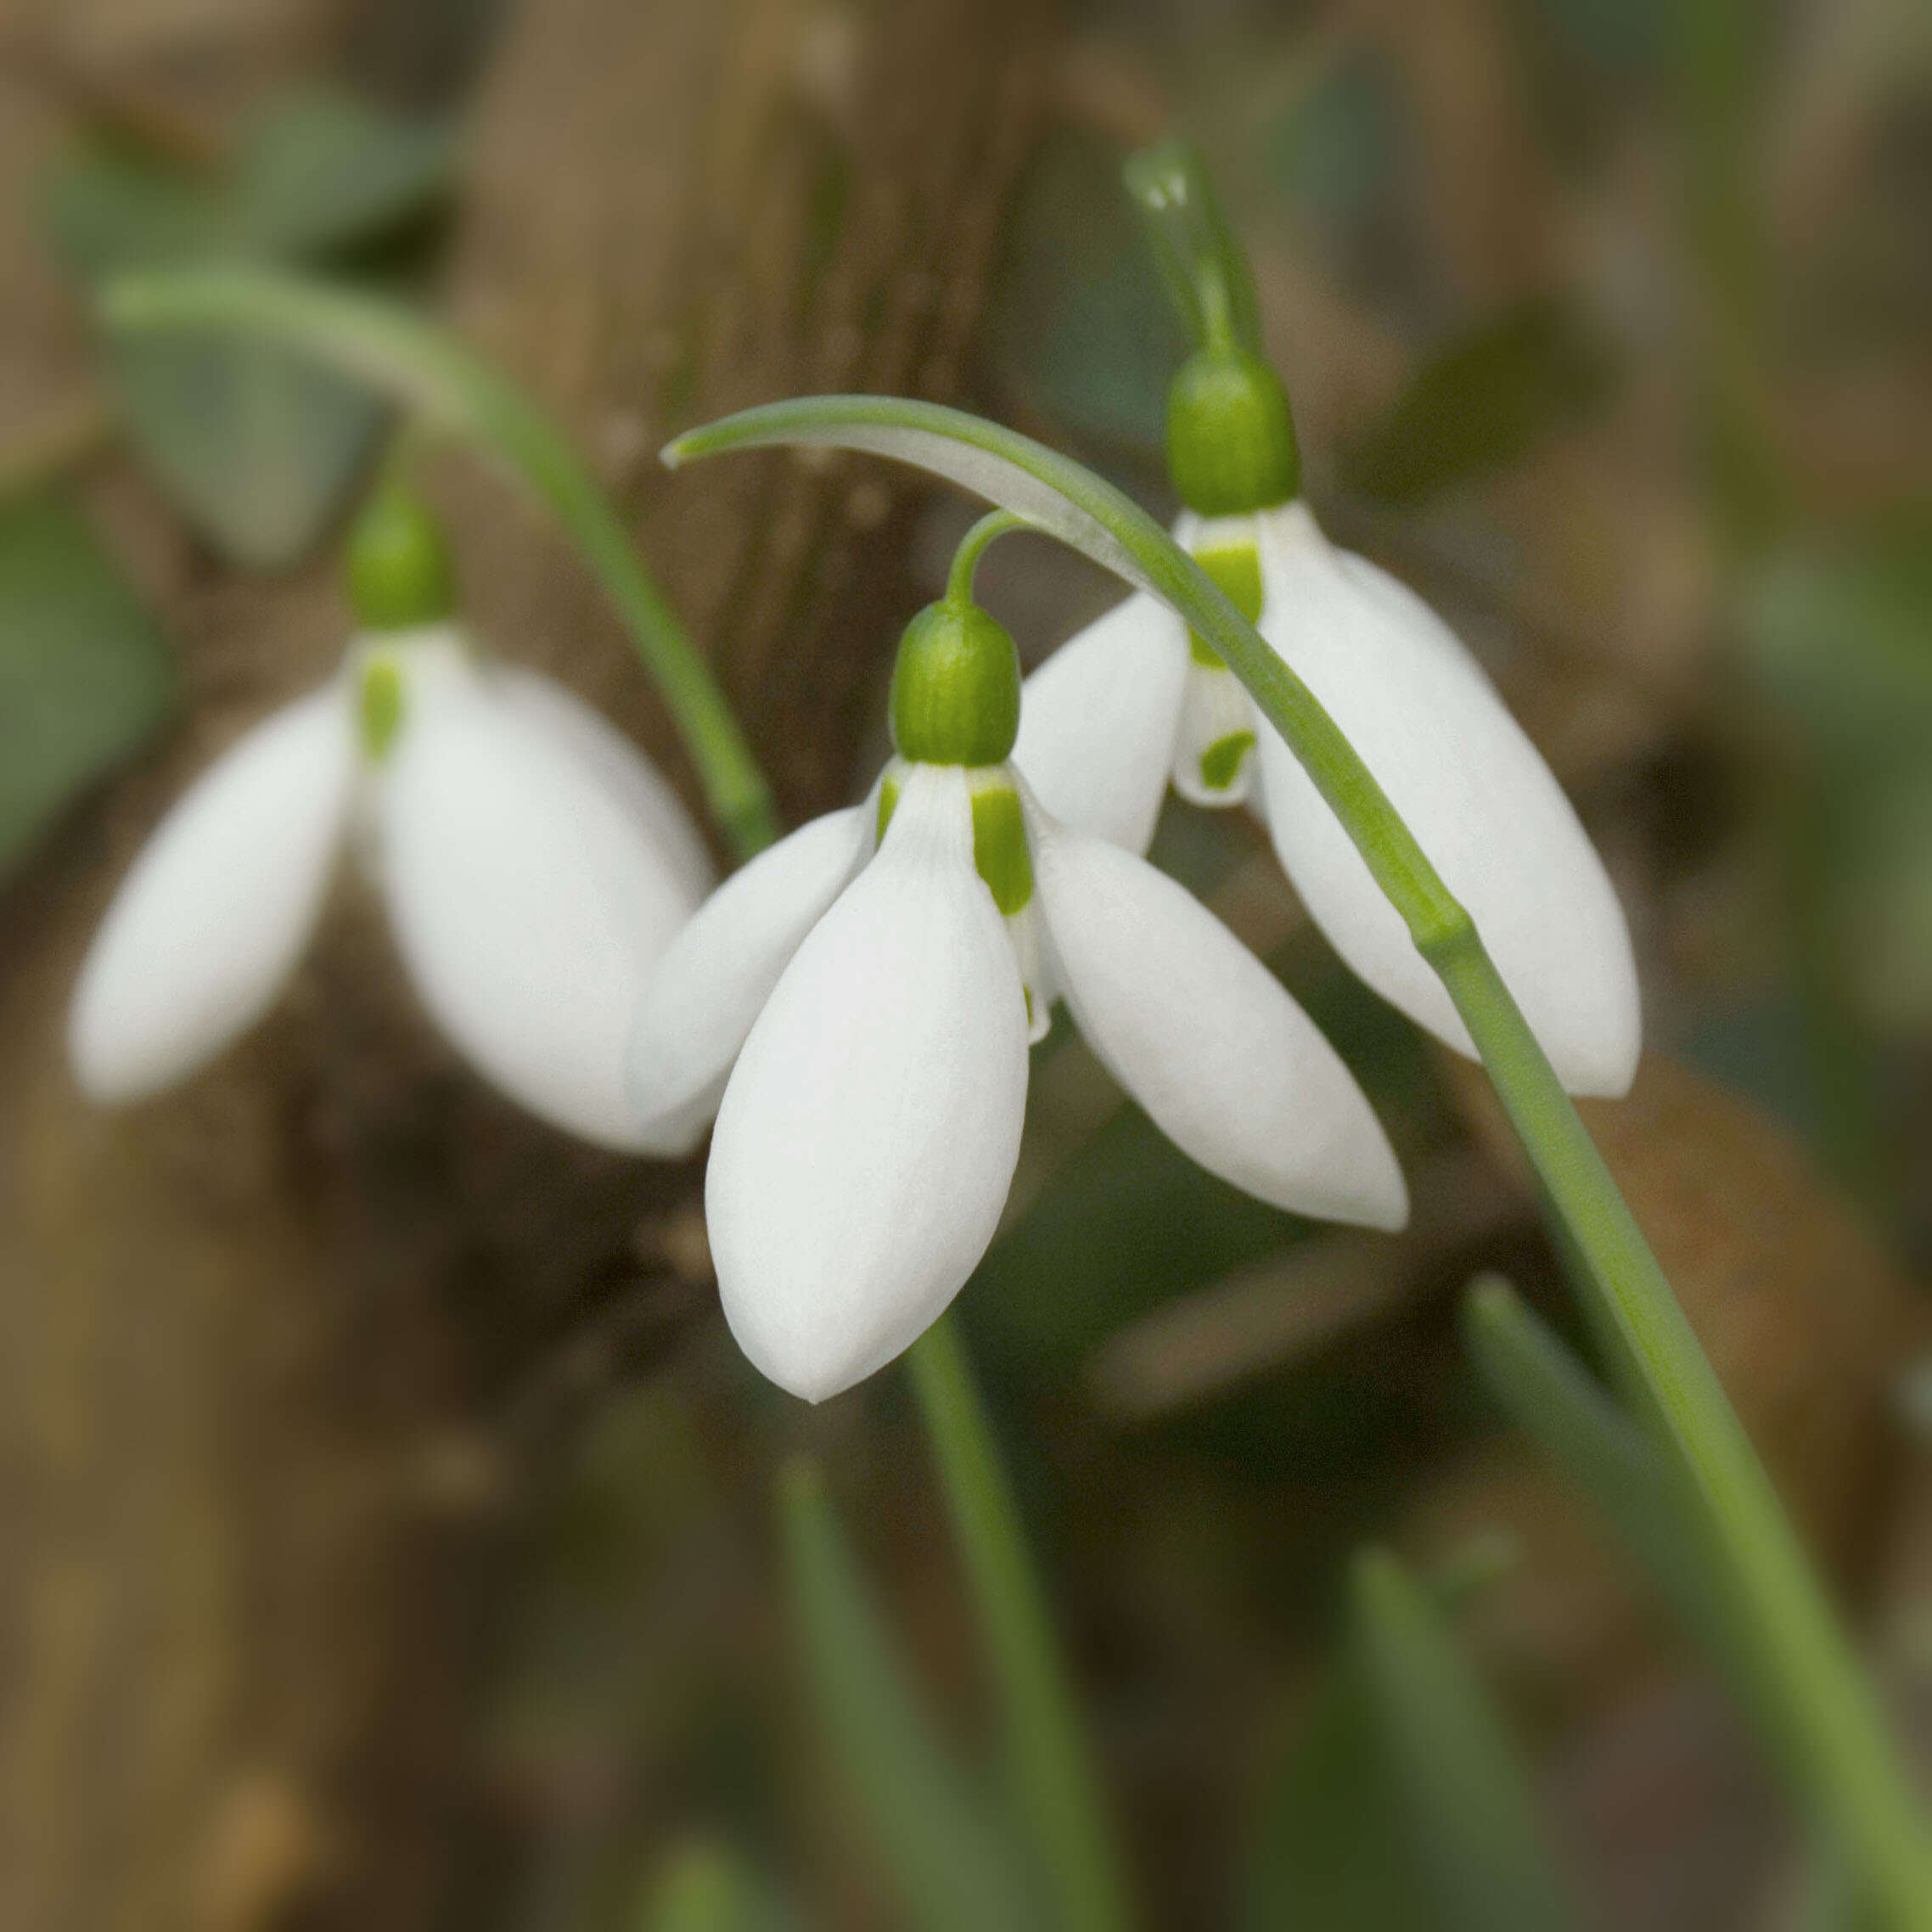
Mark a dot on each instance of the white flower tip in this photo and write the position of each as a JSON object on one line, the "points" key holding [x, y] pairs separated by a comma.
{"points": [[108, 1066], [1608, 1072], [824, 1352], [811, 1372], [1385, 1203]]}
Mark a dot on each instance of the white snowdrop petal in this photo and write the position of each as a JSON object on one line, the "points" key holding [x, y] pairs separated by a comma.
{"points": [[583, 730], [207, 926], [867, 1136], [1207, 1040], [528, 902], [716, 976], [1097, 721], [1486, 808]]}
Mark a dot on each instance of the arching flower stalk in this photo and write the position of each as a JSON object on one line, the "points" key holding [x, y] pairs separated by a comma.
{"points": [[1135, 701], [533, 864], [857, 1005]]}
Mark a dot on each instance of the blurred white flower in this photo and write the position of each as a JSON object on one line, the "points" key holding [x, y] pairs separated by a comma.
{"points": [[1134, 701], [864, 1007], [534, 866]]}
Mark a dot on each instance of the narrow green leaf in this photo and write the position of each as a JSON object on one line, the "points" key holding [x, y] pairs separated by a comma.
{"points": [[84, 675], [1551, 1395], [1464, 1797], [400, 356], [1055, 1780], [1329, 1848], [955, 1872], [1540, 1384], [706, 1887]]}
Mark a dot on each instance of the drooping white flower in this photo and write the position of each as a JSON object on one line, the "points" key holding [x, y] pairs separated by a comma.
{"points": [[863, 1005], [1134, 703], [533, 865]]}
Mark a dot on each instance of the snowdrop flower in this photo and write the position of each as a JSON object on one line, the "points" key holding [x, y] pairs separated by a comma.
{"points": [[1137, 700], [533, 865], [863, 994]]}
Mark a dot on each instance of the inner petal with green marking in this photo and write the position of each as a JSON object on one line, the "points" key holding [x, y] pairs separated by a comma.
{"points": [[1236, 568], [999, 843], [1216, 734], [379, 704]]}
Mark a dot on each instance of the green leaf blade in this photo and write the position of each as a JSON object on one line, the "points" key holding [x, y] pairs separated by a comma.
{"points": [[1469, 1808], [954, 1871], [85, 678]]}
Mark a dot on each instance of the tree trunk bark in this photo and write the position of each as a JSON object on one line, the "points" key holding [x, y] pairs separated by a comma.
{"points": [[253, 1336]]}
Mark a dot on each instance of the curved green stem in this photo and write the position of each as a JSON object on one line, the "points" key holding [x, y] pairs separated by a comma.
{"points": [[435, 377], [1050, 1762], [972, 547], [1852, 1772]]}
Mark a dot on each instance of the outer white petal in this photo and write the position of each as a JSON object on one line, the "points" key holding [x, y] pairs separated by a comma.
{"points": [[207, 926], [715, 978], [529, 902], [1486, 808], [1206, 1039], [869, 1134], [584, 731], [1097, 721]]}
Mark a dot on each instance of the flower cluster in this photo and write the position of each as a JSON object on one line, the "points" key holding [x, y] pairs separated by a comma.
{"points": [[855, 1006]]}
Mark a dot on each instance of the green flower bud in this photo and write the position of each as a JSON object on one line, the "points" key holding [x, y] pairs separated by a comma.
{"points": [[398, 565], [1231, 446], [955, 688]]}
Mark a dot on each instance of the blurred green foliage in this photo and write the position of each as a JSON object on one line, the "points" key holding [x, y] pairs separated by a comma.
{"points": [[1837, 637], [1482, 400], [957, 1868], [85, 678], [256, 445], [705, 1887]]}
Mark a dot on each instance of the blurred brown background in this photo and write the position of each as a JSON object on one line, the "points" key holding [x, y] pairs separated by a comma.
{"points": [[385, 1537]]}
